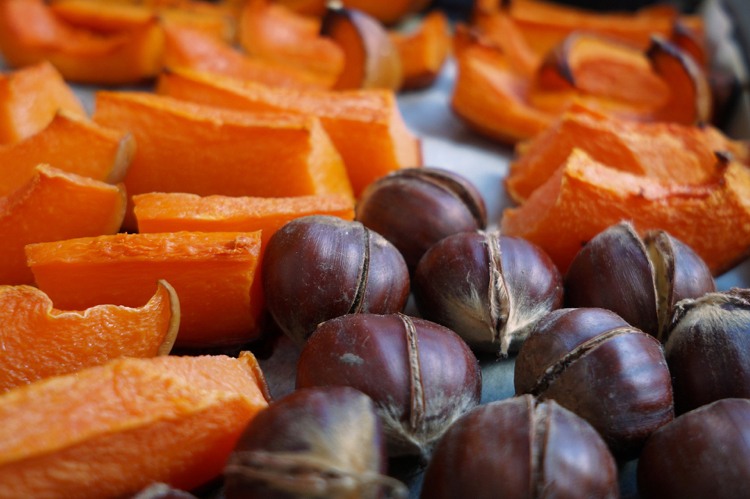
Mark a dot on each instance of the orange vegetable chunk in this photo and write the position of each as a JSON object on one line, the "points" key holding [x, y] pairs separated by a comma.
{"points": [[185, 147], [30, 98], [71, 143], [212, 272], [30, 32], [174, 212], [39, 341], [584, 197], [54, 205], [424, 51], [193, 49], [109, 431], [365, 126]]}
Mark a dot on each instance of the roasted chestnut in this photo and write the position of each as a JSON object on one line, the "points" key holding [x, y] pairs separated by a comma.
{"points": [[594, 363], [320, 267], [421, 376], [708, 349], [416, 207], [519, 448], [488, 288], [316, 442], [640, 280], [702, 453]]}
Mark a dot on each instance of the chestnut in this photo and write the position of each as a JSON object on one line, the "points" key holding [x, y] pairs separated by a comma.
{"points": [[488, 288], [639, 279], [317, 442], [702, 453], [320, 267], [594, 363], [521, 448], [708, 349], [421, 376], [416, 207]]}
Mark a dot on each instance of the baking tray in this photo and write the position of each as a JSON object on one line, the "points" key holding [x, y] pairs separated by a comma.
{"points": [[448, 143]]}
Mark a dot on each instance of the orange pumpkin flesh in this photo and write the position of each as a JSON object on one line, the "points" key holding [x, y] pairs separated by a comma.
{"points": [[54, 205], [109, 431], [213, 274], [72, 144], [366, 127], [424, 51], [29, 100], [40, 341]]}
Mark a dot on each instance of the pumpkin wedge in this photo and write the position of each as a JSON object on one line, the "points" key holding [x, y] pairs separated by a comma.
{"points": [[274, 32], [388, 12], [30, 98], [193, 49], [423, 52], [213, 274], [186, 147], [498, 30], [54, 205], [584, 197], [39, 341], [174, 212], [71, 143], [30, 32], [109, 431], [492, 97], [664, 151], [366, 126]]}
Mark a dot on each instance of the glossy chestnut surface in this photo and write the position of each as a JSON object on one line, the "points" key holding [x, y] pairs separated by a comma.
{"points": [[639, 279], [592, 362], [319, 267], [702, 453], [416, 207], [708, 349], [521, 448], [488, 288], [315, 442], [421, 376]]}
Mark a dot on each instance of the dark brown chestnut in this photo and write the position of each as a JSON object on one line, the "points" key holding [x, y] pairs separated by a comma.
{"points": [[320, 267], [416, 207], [594, 363], [488, 288], [421, 376], [702, 453], [519, 448], [316, 442], [708, 349], [639, 279]]}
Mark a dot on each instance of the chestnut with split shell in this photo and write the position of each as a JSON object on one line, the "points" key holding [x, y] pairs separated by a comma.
{"points": [[639, 279], [315, 442], [708, 349], [415, 208], [520, 447], [611, 374], [421, 376], [320, 267], [488, 288], [702, 453]]}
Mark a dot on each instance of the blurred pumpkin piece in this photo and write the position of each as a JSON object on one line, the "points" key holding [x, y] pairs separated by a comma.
{"points": [[423, 51], [39, 341], [111, 430], [51, 206]]}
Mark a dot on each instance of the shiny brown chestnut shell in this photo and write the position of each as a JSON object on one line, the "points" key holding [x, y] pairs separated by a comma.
{"points": [[315, 442], [519, 447], [594, 363], [708, 349], [702, 453], [421, 376], [320, 267], [488, 288], [416, 207], [639, 279]]}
